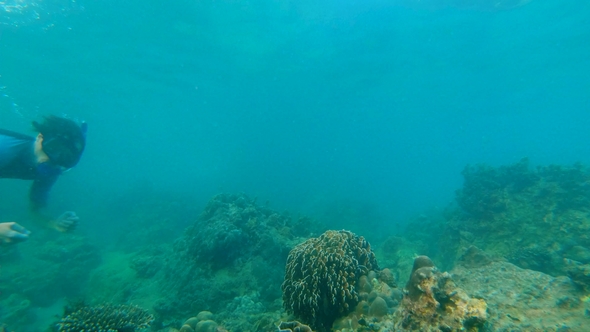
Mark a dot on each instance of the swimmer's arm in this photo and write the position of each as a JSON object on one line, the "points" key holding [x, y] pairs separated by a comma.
{"points": [[44, 220], [38, 196]]}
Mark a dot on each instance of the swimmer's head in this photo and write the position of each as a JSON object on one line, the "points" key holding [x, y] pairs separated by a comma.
{"points": [[63, 139]]}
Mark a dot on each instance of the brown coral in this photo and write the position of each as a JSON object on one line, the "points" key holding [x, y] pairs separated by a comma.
{"points": [[186, 328], [422, 272], [293, 327], [322, 274], [378, 308], [106, 317], [387, 277]]}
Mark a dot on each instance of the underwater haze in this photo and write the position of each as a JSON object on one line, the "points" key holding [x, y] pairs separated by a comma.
{"points": [[223, 133], [381, 103]]}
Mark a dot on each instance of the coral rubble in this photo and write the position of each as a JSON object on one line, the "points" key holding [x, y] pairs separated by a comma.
{"points": [[106, 317], [322, 277]]}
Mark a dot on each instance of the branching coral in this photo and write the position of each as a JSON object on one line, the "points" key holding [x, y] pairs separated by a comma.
{"points": [[106, 318], [322, 274]]}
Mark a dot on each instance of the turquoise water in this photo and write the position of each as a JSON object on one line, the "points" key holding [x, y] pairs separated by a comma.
{"points": [[315, 106], [301, 100]]}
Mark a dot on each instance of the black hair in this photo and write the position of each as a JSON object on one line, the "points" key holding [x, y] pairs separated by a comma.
{"points": [[63, 139]]}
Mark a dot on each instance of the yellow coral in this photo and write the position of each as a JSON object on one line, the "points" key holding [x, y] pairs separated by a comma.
{"points": [[433, 303]]}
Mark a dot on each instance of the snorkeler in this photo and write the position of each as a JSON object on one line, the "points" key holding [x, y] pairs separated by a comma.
{"points": [[57, 148]]}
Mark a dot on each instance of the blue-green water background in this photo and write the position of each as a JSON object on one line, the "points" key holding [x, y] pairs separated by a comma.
{"points": [[308, 104]]}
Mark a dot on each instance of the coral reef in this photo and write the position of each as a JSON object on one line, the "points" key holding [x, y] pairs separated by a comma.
{"points": [[249, 313], [236, 250], [203, 322], [148, 262], [509, 211], [322, 276], [516, 300], [107, 317], [231, 261], [435, 303], [234, 226], [377, 301], [486, 189]]}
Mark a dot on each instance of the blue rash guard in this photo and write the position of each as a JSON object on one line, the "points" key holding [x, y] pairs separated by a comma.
{"points": [[17, 161]]}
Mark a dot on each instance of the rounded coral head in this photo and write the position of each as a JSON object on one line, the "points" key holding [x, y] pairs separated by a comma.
{"points": [[422, 261], [322, 277]]}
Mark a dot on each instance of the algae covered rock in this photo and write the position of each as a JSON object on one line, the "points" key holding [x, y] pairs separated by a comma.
{"points": [[580, 274], [533, 217], [434, 303], [232, 227], [148, 262], [524, 300], [423, 269], [431, 302], [50, 269]]}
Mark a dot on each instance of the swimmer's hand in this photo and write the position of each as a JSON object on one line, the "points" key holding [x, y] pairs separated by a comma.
{"points": [[11, 232], [67, 222]]}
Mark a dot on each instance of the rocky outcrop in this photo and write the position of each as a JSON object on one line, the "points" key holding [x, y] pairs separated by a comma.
{"points": [[524, 300], [433, 302]]}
